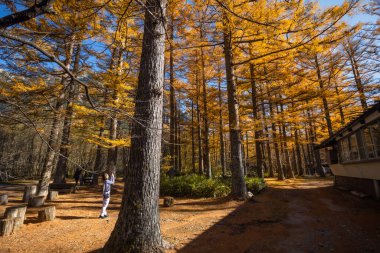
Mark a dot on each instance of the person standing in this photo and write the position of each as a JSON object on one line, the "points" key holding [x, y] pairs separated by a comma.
{"points": [[107, 182]]}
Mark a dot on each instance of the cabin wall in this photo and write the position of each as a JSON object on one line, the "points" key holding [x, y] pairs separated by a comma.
{"points": [[366, 186], [367, 170]]}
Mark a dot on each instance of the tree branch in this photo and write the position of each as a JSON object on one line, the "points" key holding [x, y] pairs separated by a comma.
{"points": [[36, 10]]}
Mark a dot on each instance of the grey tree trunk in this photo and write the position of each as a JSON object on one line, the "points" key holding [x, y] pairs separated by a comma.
{"points": [[258, 133], [206, 150], [199, 131], [53, 144], [172, 99], [137, 228], [239, 189], [357, 77], [221, 135], [324, 99], [61, 171]]}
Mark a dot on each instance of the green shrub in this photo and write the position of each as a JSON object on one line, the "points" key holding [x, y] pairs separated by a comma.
{"points": [[193, 186], [201, 187], [255, 184]]}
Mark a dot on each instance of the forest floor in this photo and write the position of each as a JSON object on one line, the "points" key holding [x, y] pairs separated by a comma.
{"points": [[302, 215]]}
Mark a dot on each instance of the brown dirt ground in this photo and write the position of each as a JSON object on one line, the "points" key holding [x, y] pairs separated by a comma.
{"points": [[303, 215]]}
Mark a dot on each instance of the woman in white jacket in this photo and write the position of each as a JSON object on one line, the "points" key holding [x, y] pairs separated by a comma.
{"points": [[107, 182]]}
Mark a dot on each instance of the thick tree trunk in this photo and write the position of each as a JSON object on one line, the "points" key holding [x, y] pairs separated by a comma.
{"points": [[239, 189], [137, 228]]}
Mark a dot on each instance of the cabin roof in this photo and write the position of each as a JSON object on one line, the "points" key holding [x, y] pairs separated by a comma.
{"points": [[330, 141]]}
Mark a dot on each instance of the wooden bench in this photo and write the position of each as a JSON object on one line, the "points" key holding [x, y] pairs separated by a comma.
{"points": [[62, 187]]}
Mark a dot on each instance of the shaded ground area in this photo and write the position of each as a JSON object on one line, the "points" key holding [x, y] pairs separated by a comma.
{"points": [[303, 215]]}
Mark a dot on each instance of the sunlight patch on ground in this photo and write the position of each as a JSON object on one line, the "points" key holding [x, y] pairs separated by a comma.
{"points": [[301, 183]]}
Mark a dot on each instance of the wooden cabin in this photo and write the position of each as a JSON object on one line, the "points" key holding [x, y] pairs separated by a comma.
{"points": [[353, 153]]}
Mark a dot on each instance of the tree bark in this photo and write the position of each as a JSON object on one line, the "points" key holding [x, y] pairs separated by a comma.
{"points": [[61, 171], [239, 190], [357, 76], [221, 135], [258, 133], [137, 228], [324, 99]]}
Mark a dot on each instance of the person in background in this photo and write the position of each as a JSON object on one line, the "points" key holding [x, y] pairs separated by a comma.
{"points": [[107, 182], [77, 174]]}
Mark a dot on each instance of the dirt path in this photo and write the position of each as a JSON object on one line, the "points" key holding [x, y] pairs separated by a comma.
{"points": [[295, 216]]}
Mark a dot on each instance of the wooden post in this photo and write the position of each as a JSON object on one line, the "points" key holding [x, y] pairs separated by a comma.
{"points": [[15, 212], [53, 195], [30, 191], [37, 201], [3, 199], [6, 226], [47, 214]]}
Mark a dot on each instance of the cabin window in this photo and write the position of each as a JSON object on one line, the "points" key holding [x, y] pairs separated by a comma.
{"points": [[354, 149], [344, 150], [369, 143], [375, 132]]}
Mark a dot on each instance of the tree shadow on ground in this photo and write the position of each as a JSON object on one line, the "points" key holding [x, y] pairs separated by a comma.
{"points": [[285, 220]]}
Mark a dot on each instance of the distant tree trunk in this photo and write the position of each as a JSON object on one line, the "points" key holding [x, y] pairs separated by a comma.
{"points": [[280, 172], [221, 135], [98, 166], [357, 76], [324, 99], [258, 133], [192, 139], [53, 144], [137, 228], [313, 138], [178, 141], [61, 171], [340, 107], [239, 189], [172, 102], [199, 131], [206, 150], [300, 168]]}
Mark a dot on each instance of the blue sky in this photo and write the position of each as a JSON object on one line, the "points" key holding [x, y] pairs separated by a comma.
{"points": [[354, 19]]}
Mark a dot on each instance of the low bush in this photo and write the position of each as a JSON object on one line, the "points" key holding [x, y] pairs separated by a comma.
{"points": [[255, 184], [199, 186]]}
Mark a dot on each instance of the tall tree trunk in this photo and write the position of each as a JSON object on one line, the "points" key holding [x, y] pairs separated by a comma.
{"points": [[357, 76], [313, 139], [61, 171], [239, 189], [324, 99], [199, 130], [206, 150], [280, 171], [258, 133], [172, 102], [340, 107], [221, 135], [98, 165], [137, 228], [192, 139], [53, 144]]}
